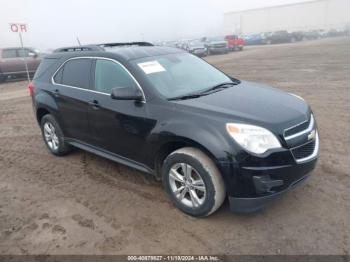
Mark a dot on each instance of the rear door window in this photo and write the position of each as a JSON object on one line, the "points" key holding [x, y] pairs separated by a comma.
{"points": [[76, 73], [9, 53]]}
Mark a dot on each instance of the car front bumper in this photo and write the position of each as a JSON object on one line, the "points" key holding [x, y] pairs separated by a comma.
{"points": [[218, 49], [254, 182], [253, 204]]}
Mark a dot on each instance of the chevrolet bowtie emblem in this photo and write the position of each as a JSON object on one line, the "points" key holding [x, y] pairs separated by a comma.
{"points": [[311, 135]]}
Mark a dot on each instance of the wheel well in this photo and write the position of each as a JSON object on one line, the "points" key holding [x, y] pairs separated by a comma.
{"points": [[40, 113], [170, 147]]}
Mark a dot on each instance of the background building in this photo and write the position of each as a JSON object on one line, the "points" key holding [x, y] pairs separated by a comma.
{"points": [[319, 14]]}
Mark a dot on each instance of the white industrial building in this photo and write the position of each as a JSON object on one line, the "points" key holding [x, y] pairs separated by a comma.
{"points": [[311, 15]]}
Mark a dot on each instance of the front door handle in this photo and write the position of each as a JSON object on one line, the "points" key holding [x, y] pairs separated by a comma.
{"points": [[94, 104]]}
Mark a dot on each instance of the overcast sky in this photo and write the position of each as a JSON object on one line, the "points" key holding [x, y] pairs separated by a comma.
{"points": [[57, 23]]}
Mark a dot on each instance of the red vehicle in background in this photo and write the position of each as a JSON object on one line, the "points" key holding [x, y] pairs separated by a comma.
{"points": [[235, 42]]}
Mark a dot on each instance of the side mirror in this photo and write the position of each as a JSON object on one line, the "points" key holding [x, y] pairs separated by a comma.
{"points": [[127, 93], [32, 54]]}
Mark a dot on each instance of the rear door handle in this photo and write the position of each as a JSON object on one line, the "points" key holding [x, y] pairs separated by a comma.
{"points": [[94, 104]]}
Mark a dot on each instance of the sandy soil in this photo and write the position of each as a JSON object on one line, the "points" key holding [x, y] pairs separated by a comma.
{"points": [[84, 204]]}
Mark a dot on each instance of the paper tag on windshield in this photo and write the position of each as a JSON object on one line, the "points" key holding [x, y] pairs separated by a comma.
{"points": [[151, 67]]}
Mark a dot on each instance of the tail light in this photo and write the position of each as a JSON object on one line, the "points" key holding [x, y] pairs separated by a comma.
{"points": [[31, 88]]}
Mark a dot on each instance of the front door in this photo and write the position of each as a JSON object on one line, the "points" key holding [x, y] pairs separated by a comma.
{"points": [[118, 126]]}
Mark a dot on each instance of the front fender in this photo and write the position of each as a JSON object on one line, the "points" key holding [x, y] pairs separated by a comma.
{"points": [[210, 135]]}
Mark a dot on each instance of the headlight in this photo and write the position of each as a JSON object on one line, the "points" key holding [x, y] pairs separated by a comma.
{"points": [[253, 138]]}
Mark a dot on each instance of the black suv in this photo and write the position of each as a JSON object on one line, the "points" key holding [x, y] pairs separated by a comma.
{"points": [[166, 112]]}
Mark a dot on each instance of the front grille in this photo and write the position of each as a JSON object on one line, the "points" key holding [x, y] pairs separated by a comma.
{"points": [[297, 129], [300, 129], [304, 151]]}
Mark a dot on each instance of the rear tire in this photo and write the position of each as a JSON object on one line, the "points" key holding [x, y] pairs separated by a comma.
{"points": [[193, 182], [53, 136]]}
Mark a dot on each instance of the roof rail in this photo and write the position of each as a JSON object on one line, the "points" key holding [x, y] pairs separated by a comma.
{"points": [[79, 48], [126, 44]]}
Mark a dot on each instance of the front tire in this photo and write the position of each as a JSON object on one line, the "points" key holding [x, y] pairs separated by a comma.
{"points": [[53, 136], [193, 182]]}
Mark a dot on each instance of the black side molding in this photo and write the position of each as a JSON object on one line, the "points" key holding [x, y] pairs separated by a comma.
{"points": [[110, 156]]}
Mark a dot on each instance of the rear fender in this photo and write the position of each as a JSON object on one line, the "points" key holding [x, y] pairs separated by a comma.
{"points": [[45, 101]]}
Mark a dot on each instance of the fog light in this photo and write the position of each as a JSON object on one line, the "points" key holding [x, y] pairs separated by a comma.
{"points": [[264, 184]]}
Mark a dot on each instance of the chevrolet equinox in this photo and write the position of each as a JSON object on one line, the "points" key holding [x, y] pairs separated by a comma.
{"points": [[166, 112]]}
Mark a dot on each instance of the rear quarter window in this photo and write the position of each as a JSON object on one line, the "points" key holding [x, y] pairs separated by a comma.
{"points": [[58, 76], [77, 73], [44, 65]]}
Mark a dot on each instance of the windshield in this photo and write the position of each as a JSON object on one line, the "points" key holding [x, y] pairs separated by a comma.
{"points": [[179, 74], [216, 38]]}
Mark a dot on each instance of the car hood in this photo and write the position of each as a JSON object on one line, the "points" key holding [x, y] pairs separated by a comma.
{"points": [[253, 103]]}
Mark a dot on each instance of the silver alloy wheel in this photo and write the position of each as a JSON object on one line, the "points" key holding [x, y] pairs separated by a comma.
{"points": [[50, 136], [187, 185]]}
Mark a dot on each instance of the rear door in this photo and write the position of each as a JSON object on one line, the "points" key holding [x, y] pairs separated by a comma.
{"points": [[118, 126], [72, 92]]}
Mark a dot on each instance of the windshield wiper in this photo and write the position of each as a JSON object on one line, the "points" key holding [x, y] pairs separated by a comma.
{"points": [[205, 92], [184, 97], [220, 86]]}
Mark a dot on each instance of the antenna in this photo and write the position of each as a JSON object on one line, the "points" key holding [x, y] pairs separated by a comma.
{"points": [[78, 41]]}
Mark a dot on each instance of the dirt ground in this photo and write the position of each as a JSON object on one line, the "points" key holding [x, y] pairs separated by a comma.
{"points": [[84, 204]]}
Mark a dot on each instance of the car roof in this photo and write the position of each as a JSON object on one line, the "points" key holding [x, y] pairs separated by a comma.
{"points": [[121, 53]]}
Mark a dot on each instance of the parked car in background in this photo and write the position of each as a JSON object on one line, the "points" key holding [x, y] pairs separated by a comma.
{"points": [[170, 44], [336, 32], [215, 44], [297, 36], [235, 42], [280, 37], [196, 47], [12, 62], [255, 39], [311, 35]]}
